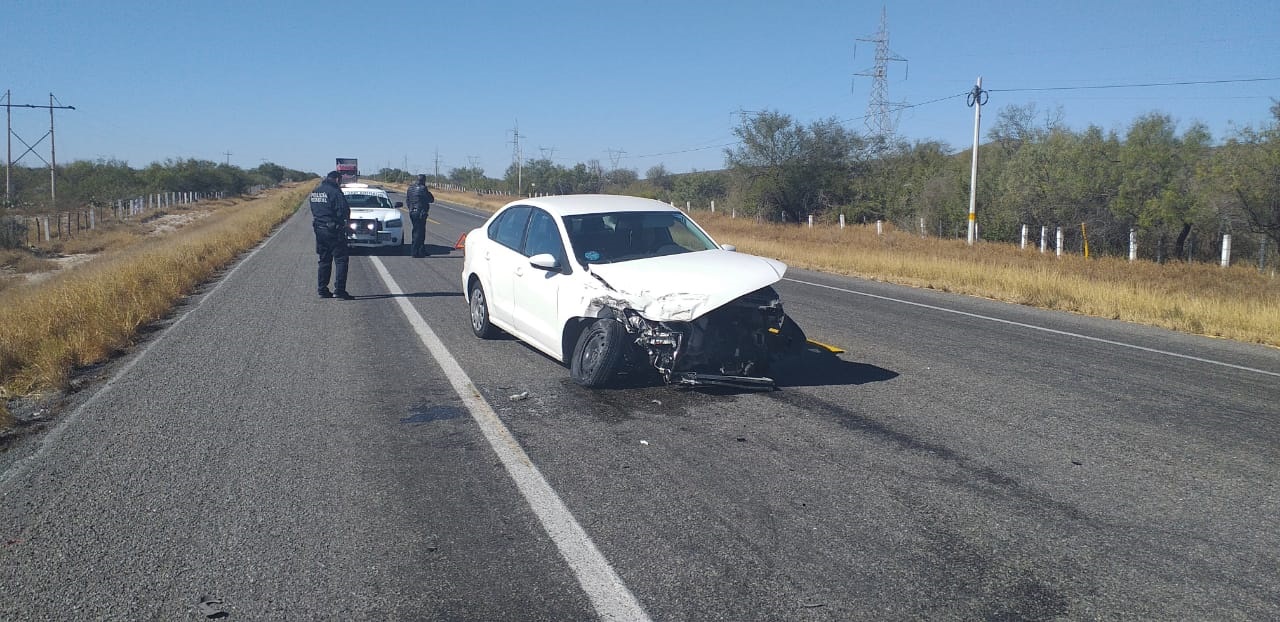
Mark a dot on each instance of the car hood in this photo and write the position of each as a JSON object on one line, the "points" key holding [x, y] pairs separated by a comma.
{"points": [[375, 212], [686, 286]]}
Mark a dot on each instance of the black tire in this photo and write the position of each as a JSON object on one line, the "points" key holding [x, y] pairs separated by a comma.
{"points": [[598, 354], [479, 306]]}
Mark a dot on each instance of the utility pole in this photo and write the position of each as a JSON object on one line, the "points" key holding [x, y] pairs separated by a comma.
{"points": [[228, 154], [879, 120], [437, 175], [53, 158], [8, 134], [977, 97]]}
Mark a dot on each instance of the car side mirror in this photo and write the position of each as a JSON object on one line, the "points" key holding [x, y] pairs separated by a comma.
{"points": [[545, 261], [729, 247], [399, 204]]}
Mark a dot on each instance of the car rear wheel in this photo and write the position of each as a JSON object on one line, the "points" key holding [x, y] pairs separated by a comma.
{"points": [[480, 314], [599, 353]]}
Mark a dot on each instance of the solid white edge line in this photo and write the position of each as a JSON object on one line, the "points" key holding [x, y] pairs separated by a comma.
{"points": [[608, 594], [1040, 328]]}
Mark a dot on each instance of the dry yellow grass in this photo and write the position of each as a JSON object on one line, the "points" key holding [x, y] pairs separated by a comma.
{"points": [[1236, 302], [490, 202], [83, 315]]}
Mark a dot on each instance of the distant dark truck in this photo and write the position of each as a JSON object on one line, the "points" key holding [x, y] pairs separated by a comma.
{"points": [[349, 169]]}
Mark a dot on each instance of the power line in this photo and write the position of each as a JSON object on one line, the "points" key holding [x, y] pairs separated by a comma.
{"points": [[898, 107], [1135, 85]]}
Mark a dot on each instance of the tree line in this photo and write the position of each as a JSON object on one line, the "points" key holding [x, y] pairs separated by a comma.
{"points": [[1178, 189], [87, 183]]}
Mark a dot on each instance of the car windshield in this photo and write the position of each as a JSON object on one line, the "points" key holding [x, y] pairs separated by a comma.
{"points": [[368, 201], [626, 236]]}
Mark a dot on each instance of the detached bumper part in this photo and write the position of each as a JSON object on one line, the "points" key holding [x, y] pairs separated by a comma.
{"points": [[693, 379]]}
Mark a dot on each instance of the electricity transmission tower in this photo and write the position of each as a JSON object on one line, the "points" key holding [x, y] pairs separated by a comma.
{"points": [[473, 166], [880, 120], [614, 156], [518, 156]]}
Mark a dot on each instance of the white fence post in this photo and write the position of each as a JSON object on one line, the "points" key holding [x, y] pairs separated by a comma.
{"points": [[810, 221], [841, 221], [922, 233], [1133, 244], [686, 206], [879, 227], [713, 207], [1023, 246], [1226, 249], [1059, 247], [1044, 238], [91, 219]]}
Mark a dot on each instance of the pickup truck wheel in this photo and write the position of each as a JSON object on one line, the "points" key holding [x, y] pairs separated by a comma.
{"points": [[480, 314], [599, 353]]}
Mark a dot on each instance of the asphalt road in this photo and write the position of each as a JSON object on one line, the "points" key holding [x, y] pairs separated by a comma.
{"points": [[294, 458]]}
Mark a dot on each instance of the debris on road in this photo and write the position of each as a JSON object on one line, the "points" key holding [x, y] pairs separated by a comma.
{"points": [[211, 607], [523, 395]]}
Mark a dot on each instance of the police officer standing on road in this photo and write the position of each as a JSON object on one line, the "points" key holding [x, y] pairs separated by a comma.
{"points": [[329, 214], [419, 199]]}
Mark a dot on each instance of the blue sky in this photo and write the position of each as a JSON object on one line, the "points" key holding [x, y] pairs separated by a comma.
{"points": [[400, 83]]}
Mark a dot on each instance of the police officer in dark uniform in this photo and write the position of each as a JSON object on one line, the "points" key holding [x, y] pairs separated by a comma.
{"points": [[419, 199], [329, 214]]}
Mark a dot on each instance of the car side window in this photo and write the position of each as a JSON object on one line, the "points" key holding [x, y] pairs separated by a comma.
{"points": [[508, 229], [544, 237]]}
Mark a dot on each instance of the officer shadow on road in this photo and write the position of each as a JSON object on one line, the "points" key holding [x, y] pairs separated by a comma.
{"points": [[816, 366], [410, 295]]}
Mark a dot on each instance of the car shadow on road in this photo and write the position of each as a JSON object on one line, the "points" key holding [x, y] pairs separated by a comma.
{"points": [[817, 367], [813, 367], [436, 249]]}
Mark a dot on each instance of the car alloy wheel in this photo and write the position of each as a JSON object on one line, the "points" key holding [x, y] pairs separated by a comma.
{"points": [[480, 314]]}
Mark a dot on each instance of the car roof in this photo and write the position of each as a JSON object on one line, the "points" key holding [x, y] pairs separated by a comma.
{"points": [[574, 204]]}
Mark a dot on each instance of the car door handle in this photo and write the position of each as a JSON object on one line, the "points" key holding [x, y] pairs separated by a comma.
{"points": [[519, 270]]}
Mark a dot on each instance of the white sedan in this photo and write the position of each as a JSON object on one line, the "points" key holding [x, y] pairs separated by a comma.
{"points": [[374, 221], [610, 284]]}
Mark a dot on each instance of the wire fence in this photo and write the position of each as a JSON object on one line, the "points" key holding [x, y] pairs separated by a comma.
{"points": [[1056, 240], [18, 231]]}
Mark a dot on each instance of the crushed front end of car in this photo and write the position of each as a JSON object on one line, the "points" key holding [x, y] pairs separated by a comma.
{"points": [[732, 345]]}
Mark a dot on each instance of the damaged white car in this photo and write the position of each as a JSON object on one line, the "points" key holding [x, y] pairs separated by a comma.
{"points": [[612, 284]]}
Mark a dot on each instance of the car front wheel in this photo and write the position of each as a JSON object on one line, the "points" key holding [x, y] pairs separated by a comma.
{"points": [[598, 354], [480, 314]]}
